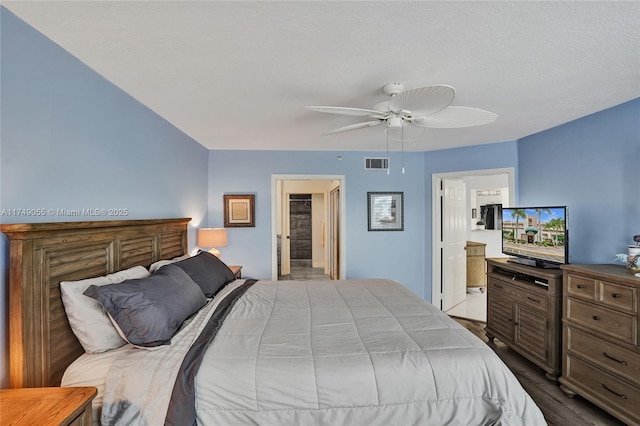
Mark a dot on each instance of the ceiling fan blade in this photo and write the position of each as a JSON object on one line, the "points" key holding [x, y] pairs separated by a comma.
{"points": [[455, 116], [423, 100], [409, 132], [351, 127], [358, 112]]}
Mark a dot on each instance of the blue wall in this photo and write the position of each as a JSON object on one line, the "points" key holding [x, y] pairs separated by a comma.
{"points": [[395, 255], [66, 127], [72, 140], [592, 165]]}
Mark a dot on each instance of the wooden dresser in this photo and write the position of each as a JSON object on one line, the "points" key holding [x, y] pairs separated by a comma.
{"points": [[476, 265], [524, 306], [601, 355]]}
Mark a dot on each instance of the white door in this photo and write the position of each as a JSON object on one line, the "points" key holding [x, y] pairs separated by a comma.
{"points": [[454, 259], [285, 241]]}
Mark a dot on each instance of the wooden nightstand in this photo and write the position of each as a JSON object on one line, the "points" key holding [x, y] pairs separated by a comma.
{"points": [[237, 271], [47, 406]]}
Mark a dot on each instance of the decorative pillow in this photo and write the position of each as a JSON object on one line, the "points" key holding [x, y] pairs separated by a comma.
{"points": [[89, 322], [209, 272], [150, 310], [156, 265]]}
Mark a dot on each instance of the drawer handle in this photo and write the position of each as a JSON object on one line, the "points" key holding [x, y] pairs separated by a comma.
{"points": [[619, 395], [614, 359], [497, 285], [615, 295], [580, 286], [596, 317], [532, 299]]}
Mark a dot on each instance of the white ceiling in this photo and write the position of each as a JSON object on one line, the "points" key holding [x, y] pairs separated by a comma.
{"points": [[238, 74]]}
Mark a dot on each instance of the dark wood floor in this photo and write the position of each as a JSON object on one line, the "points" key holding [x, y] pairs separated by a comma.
{"points": [[558, 409]]}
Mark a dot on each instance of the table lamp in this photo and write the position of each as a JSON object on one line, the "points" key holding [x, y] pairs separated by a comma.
{"points": [[213, 238]]}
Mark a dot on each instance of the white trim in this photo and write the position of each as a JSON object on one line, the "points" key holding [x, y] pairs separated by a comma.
{"points": [[436, 179], [274, 213]]}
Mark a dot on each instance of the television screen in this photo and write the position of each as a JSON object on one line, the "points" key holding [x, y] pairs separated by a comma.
{"points": [[537, 236]]}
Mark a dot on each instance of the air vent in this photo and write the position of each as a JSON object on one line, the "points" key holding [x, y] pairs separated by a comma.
{"points": [[380, 163]]}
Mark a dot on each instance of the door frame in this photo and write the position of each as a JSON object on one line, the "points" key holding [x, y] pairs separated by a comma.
{"points": [[274, 217], [334, 233], [436, 222]]}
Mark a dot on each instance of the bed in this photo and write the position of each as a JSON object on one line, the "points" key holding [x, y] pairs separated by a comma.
{"points": [[255, 352]]}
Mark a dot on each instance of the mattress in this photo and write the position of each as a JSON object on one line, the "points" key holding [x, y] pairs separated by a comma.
{"points": [[319, 352]]}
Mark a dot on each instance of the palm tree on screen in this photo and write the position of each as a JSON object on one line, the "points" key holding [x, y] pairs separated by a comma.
{"points": [[555, 225], [540, 211], [517, 214]]}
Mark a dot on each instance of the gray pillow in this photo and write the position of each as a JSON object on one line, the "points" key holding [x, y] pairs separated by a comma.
{"points": [[209, 272], [148, 311]]}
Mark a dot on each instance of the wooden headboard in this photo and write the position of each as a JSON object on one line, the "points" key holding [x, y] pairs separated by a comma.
{"points": [[41, 343]]}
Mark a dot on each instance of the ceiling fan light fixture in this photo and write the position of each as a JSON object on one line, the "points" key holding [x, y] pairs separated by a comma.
{"points": [[407, 132], [394, 122]]}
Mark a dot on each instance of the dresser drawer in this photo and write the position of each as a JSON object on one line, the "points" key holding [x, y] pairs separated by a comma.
{"points": [[533, 300], [604, 388], [581, 287], [618, 296], [615, 359], [615, 324], [500, 287]]}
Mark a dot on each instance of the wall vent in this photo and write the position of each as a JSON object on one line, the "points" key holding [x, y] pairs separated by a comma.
{"points": [[376, 163]]}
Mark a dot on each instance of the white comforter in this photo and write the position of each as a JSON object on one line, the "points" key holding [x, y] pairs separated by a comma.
{"points": [[355, 352]]}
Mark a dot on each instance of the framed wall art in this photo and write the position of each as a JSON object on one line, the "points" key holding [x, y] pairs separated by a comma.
{"points": [[385, 211], [239, 211]]}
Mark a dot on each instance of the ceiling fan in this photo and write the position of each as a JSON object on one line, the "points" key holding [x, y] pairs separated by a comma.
{"points": [[407, 114]]}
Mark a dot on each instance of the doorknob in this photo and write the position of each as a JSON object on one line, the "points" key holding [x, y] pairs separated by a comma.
{"points": [[288, 237]]}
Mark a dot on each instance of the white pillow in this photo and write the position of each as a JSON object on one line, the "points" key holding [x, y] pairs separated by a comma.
{"points": [[160, 263], [89, 321]]}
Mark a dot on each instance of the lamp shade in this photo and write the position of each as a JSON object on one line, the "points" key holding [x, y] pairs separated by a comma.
{"points": [[212, 238]]}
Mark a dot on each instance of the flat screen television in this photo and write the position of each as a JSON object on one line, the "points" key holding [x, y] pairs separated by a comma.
{"points": [[536, 236]]}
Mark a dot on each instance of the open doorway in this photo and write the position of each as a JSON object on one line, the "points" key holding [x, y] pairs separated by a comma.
{"points": [[307, 227], [301, 230], [449, 243]]}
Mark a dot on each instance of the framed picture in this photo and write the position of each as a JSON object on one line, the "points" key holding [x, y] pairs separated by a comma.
{"points": [[239, 211], [385, 211]]}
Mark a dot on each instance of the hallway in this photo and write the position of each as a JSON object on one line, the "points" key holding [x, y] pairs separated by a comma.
{"points": [[302, 270]]}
